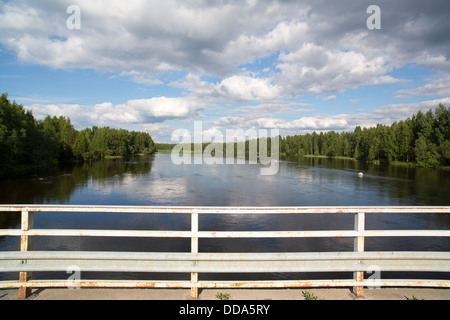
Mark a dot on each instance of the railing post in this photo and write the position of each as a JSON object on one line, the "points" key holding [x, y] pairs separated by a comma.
{"points": [[26, 244], [359, 247], [194, 249]]}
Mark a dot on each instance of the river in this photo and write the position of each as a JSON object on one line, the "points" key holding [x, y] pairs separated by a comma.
{"points": [[156, 181]]}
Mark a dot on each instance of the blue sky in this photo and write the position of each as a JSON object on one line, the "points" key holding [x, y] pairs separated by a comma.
{"points": [[156, 66]]}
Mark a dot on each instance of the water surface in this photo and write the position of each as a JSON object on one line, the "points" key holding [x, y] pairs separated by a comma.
{"points": [[156, 181]]}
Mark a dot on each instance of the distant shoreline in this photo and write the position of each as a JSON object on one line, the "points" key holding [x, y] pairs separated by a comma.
{"points": [[375, 162]]}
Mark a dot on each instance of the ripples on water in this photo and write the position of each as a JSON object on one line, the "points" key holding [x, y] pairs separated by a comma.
{"points": [[155, 181]]}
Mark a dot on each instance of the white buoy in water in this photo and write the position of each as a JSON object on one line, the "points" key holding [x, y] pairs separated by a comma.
{"points": [[360, 174]]}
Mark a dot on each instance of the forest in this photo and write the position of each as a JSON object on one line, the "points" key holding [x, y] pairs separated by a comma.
{"points": [[423, 140], [27, 144]]}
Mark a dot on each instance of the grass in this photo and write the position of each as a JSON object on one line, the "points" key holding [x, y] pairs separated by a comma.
{"points": [[413, 298], [122, 157], [309, 295], [328, 157], [222, 296]]}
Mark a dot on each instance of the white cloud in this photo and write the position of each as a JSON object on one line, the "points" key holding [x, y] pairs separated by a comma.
{"points": [[320, 122], [395, 112], [159, 132], [138, 77], [246, 48], [262, 55], [322, 47], [149, 115], [439, 86], [314, 69], [132, 112], [325, 122], [245, 88], [149, 36], [202, 37], [269, 108], [234, 89]]}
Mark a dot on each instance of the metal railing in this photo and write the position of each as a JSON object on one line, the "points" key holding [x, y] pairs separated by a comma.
{"points": [[194, 262]]}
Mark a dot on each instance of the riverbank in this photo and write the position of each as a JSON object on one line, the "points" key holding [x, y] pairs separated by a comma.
{"points": [[374, 162]]}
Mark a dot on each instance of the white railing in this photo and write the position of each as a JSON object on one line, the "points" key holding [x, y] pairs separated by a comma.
{"points": [[194, 262]]}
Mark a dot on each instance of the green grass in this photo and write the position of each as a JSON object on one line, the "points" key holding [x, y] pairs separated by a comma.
{"points": [[328, 157], [222, 296], [402, 163], [309, 295]]}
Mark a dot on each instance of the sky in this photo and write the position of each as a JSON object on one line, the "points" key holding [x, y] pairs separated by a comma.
{"points": [[158, 66]]}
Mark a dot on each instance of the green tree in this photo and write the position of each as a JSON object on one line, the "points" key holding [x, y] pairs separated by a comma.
{"points": [[315, 141], [25, 145], [99, 143], [62, 134], [387, 146], [444, 151], [82, 145], [426, 153]]}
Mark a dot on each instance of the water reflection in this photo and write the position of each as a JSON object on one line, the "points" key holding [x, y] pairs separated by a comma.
{"points": [[155, 180]]}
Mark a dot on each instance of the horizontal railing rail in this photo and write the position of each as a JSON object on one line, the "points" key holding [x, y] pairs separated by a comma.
{"points": [[194, 262]]}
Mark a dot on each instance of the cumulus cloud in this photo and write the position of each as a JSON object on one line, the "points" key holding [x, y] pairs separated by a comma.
{"points": [[310, 47], [318, 41], [151, 36], [234, 89], [138, 111], [438, 86], [387, 114], [315, 70], [160, 132]]}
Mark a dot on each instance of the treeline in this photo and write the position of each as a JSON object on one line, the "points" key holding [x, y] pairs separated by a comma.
{"points": [[27, 144], [97, 143], [423, 139]]}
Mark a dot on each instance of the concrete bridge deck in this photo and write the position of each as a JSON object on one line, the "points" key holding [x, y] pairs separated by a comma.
{"points": [[234, 294]]}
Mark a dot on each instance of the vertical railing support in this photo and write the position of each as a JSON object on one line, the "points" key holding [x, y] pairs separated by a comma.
{"points": [[194, 249], [359, 247], [26, 244]]}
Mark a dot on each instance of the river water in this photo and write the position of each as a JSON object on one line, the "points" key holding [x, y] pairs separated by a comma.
{"points": [[156, 181]]}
